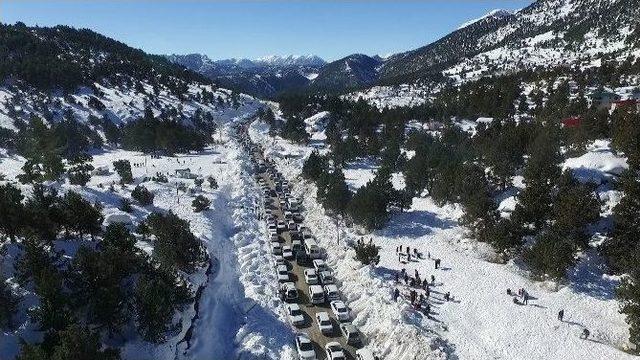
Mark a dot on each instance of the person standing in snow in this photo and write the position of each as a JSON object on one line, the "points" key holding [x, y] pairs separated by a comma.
{"points": [[400, 248], [396, 293], [447, 296], [415, 272], [425, 284], [408, 250], [433, 279], [437, 263], [396, 278], [561, 314], [585, 334], [525, 299]]}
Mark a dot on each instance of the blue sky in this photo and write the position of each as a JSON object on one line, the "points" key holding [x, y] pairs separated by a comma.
{"points": [[330, 29]]}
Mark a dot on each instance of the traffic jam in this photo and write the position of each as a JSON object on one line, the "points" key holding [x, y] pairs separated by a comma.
{"points": [[306, 284]]}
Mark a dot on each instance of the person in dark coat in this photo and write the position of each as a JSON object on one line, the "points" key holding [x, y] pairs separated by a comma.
{"points": [[412, 282], [585, 334], [425, 284], [406, 278], [437, 263], [433, 279], [561, 314], [396, 293], [447, 296]]}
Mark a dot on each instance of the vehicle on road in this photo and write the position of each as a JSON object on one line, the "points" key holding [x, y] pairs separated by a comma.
{"points": [[310, 276], [334, 351], [279, 260], [324, 322], [289, 291], [305, 347], [276, 248], [283, 273], [316, 294], [340, 310], [364, 354], [281, 226], [287, 253], [331, 292], [326, 277], [296, 245], [295, 314], [351, 334], [312, 248], [320, 265]]}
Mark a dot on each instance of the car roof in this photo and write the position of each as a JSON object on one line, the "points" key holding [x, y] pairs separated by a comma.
{"points": [[310, 271], [315, 288], [293, 306], [303, 337], [349, 327], [323, 315], [333, 343], [331, 287], [338, 302], [282, 267]]}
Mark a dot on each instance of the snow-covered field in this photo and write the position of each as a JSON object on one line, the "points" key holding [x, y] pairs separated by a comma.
{"points": [[481, 322]]}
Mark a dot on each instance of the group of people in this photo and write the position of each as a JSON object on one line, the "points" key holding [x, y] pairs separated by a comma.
{"points": [[522, 294]]}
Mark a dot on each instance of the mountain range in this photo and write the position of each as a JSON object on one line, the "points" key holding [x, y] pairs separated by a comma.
{"points": [[547, 33]]}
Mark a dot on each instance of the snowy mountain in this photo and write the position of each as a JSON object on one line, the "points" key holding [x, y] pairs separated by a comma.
{"points": [[350, 72], [496, 13], [546, 33], [264, 77]]}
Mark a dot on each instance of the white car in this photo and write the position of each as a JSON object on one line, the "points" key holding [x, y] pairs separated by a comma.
{"points": [[310, 276], [288, 291], [320, 265], [331, 292], [326, 277], [324, 322], [334, 351], [283, 273], [276, 249], [295, 314], [287, 252], [340, 310], [279, 260], [305, 347], [281, 226]]}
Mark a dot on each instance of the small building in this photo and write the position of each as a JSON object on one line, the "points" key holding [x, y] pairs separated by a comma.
{"points": [[572, 122]]}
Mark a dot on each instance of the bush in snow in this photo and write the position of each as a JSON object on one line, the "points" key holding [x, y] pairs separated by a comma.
{"points": [[142, 195], [212, 182], [123, 168], [367, 253], [198, 181], [125, 205], [160, 178], [200, 203]]}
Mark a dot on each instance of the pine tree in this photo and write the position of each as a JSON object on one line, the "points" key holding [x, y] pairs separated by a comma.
{"points": [[200, 203], [333, 192], [574, 208], [80, 215], [541, 173], [628, 294], [142, 195], [123, 168], [80, 343], [551, 255], [80, 171], [11, 211], [314, 166], [8, 305], [621, 248]]}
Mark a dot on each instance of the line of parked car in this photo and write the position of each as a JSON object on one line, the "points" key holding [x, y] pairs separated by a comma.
{"points": [[306, 252]]}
